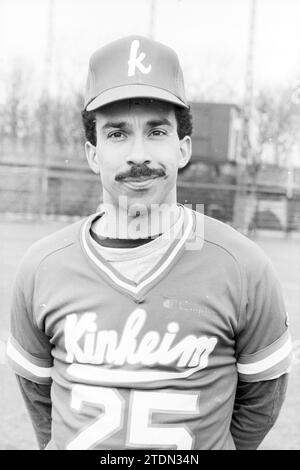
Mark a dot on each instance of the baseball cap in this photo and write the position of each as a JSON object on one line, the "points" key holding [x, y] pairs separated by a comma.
{"points": [[134, 67]]}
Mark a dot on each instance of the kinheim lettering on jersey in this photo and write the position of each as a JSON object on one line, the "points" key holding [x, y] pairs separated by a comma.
{"points": [[105, 346]]}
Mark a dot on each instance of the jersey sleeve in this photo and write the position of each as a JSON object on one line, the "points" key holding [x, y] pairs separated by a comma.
{"points": [[28, 348], [263, 343]]}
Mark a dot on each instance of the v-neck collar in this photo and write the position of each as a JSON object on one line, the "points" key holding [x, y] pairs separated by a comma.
{"points": [[135, 290]]}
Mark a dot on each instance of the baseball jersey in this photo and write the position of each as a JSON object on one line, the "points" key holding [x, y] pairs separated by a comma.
{"points": [[153, 364]]}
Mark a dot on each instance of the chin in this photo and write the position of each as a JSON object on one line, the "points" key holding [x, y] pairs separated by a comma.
{"points": [[154, 198]]}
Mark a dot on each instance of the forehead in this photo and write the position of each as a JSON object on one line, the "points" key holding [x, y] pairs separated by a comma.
{"points": [[142, 108]]}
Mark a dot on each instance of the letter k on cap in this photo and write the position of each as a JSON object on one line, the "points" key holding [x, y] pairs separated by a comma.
{"points": [[136, 61]]}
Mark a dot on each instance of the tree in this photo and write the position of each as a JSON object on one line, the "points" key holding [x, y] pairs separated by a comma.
{"points": [[277, 120], [18, 106]]}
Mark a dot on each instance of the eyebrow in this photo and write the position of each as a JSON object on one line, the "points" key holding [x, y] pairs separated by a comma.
{"points": [[124, 124], [159, 122], [115, 125]]}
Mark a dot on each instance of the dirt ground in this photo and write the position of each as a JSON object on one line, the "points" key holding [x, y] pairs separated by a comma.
{"points": [[15, 428]]}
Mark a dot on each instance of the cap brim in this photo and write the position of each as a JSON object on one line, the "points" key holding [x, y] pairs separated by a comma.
{"points": [[133, 91]]}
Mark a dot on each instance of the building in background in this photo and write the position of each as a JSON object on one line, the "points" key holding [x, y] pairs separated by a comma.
{"points": [[270, 196], [216, 133]]}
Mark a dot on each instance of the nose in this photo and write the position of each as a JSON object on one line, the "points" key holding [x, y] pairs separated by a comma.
{"points": [[138, 153]]}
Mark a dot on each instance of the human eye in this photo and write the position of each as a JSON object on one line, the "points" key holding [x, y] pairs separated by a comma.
{"points": [[116, 135], [158, 132]]}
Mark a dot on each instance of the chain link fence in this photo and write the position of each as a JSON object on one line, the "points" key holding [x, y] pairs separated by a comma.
{"points": [[75, 191]]}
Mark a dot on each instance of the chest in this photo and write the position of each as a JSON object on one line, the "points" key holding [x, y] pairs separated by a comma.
{"points": [[191, 311]]}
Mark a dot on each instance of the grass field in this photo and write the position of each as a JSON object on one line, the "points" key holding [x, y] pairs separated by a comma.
{"points": [[15, 428]]}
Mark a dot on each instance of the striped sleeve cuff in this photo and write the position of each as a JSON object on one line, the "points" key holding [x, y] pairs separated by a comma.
{"points": [[269, 363], [24, 364]]}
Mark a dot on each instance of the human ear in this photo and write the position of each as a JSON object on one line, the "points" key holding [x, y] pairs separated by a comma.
{"points": [[185, 148], [92, 158]]}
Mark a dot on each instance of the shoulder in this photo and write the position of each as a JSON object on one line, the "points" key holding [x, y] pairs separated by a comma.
{"points": [[57, 242], [221, 237]]}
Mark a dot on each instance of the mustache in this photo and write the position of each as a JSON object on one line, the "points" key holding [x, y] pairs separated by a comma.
{"points": [[137, 171]]}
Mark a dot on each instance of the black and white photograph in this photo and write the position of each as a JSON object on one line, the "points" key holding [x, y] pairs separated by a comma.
{"points": [[149, 227]]}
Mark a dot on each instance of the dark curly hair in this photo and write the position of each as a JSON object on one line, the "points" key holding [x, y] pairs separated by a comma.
{"points": [[183, 119]]}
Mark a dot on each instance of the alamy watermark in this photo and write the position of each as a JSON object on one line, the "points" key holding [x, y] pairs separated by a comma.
{"points": [[136, 221]]}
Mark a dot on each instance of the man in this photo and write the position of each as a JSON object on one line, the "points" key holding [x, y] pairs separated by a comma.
{"points": [[151, 325]]}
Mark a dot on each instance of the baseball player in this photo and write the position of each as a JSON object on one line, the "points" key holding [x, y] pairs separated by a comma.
{"points": [[146, 325]]}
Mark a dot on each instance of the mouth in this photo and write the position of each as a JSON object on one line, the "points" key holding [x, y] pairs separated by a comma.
{"points": [[141, 182], [140, 178]]}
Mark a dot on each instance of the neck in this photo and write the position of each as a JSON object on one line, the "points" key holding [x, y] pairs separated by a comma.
{"points": [[125, 223]]}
